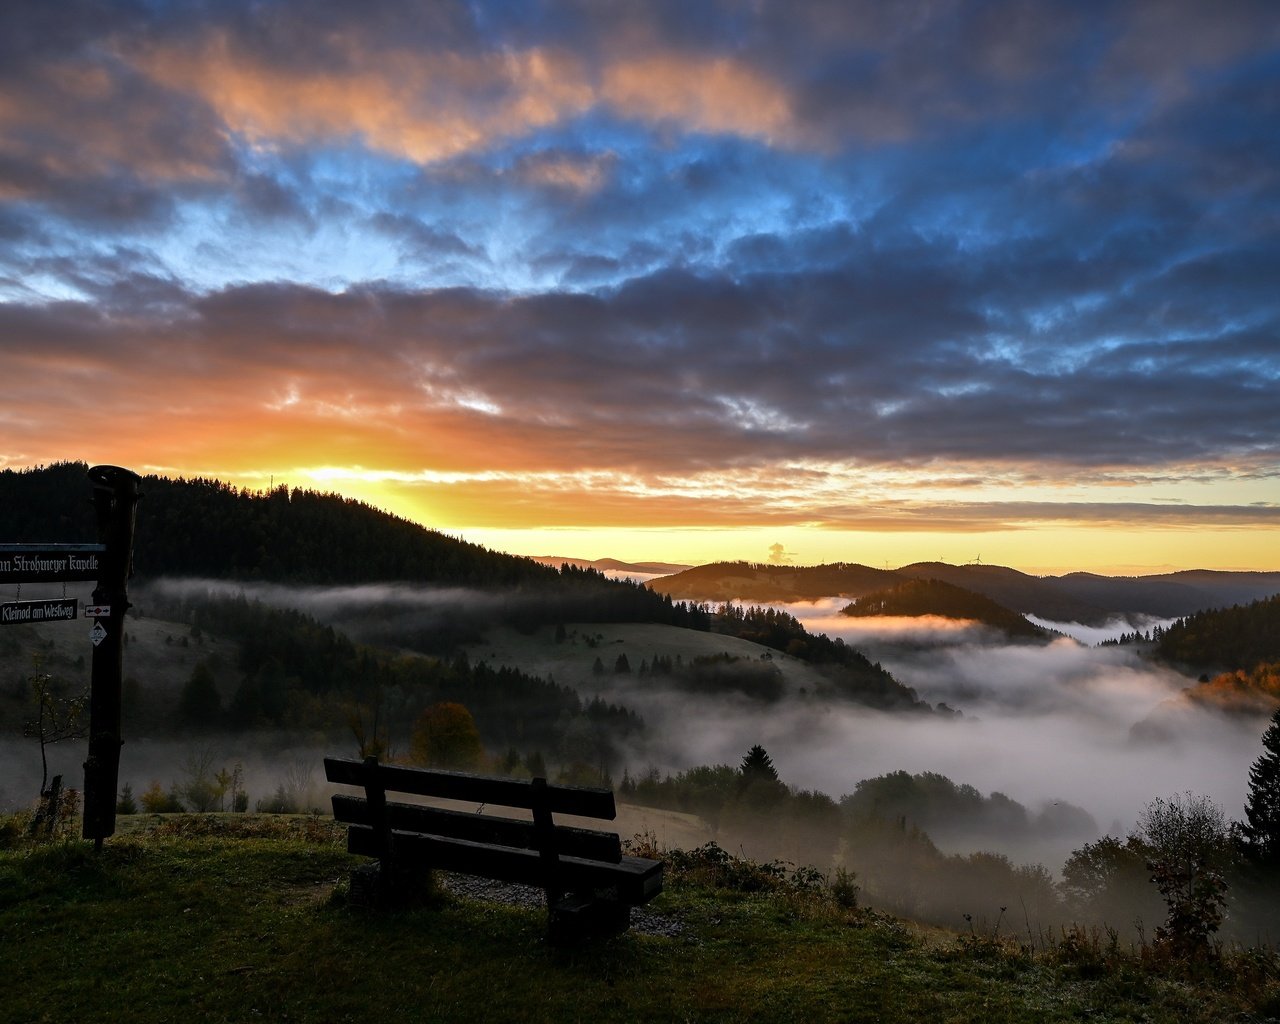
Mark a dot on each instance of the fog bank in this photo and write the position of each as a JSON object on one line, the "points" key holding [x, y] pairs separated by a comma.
{"points": [[1042, 723], [268, 760]]}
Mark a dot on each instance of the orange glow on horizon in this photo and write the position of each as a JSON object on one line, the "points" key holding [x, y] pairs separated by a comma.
{"points": [[504, 514]]}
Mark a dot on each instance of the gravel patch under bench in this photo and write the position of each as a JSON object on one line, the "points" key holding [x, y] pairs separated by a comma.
{"points": [[643, 921]]}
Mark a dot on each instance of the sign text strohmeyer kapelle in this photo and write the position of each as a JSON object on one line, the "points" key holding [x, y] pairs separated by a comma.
{"points": [[52, 563]]}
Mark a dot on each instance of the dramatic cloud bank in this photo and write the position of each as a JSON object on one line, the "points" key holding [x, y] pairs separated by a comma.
{"points": [[927, 267]]}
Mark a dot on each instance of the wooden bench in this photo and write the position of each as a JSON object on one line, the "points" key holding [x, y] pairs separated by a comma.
{"points": [[589, 883]]}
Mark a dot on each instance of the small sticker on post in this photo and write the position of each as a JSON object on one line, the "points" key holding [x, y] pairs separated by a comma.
{"points": [[97, 634], [97, 611]]}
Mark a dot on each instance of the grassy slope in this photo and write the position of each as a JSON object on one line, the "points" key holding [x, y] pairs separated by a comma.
{"points": [[155, 654], [193, 923], [570, 662]]}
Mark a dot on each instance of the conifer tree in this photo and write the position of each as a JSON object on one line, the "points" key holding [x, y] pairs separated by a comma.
{"points": [[200, 706], [536, 765], [758, 765], [1261, 827]]}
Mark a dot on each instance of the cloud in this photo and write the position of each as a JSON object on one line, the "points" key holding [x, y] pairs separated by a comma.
{"points": [[580, 173], [710, 95], [656, 392], [663, 245], [422, 107]]}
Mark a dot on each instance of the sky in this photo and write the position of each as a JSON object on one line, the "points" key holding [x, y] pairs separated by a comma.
{"points": [[800, 281]]}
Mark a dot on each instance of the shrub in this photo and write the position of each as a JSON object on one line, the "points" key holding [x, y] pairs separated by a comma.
{"points": [[844, 890], [14, 829], [1189, 844], [445, 736], [156, 801], [281, 802]]}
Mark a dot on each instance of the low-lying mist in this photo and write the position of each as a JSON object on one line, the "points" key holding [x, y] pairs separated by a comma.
{"points": [[369, 612], [266, 763], [1041, 723], [1112, 629]]}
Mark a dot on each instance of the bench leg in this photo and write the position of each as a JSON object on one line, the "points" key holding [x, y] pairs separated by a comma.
{"points": [[374, 889], [576, 918]]}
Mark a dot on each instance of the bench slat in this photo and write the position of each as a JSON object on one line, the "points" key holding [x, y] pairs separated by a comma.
{"points": [[583, 801], [481, 828], [637, 880]]}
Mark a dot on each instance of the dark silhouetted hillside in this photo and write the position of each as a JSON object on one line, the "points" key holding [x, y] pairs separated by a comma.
{"points": [[209, 529], [1081, 597], [1026, 594], [1236, 638], [934, 597], [757, 583], [1169, 595]]}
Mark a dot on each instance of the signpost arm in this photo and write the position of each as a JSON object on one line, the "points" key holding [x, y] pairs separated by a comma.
{"points": [[115, 500]]}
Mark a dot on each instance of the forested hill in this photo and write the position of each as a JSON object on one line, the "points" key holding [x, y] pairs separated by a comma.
{"points": [[934, 597], [209, 528], [1239, 646], [758, 583], [742, 581], [1237, 638]]}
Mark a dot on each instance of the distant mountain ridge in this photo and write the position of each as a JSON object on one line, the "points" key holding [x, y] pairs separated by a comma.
{"points": [[1080, 597]]}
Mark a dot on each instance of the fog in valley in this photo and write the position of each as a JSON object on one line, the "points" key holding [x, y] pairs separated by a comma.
{"points": [[1052, 721], [1039, 723], [1042, 724], [268, 765]]}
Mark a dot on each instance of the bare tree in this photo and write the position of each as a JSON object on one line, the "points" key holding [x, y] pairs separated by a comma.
{"points": [[203, 790], [57, 717]]}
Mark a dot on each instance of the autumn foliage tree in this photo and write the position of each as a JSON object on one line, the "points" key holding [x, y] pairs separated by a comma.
{"points": [[445, 736], [1189, 843]]}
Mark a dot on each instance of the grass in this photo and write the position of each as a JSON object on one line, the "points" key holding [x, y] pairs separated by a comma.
{"points": [[245, 919], [570, 663]]}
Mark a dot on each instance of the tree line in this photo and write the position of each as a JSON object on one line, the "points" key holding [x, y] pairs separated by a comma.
{"points": [[1238, 637], [295, 673], [1180, 876], [208, 528]]}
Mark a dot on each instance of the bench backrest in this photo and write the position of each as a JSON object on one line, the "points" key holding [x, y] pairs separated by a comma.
{"points": [[582, 801], [381, 816]]}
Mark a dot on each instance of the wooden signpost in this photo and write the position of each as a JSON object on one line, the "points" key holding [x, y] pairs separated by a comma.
{"points": [[115, 501], [109, 563]]}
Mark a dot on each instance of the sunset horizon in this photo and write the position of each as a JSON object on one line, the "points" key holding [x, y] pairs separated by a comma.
{"points": [[798, 283]]}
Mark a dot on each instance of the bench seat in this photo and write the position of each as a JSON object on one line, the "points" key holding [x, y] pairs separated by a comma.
{"points": [[589, 882]]}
